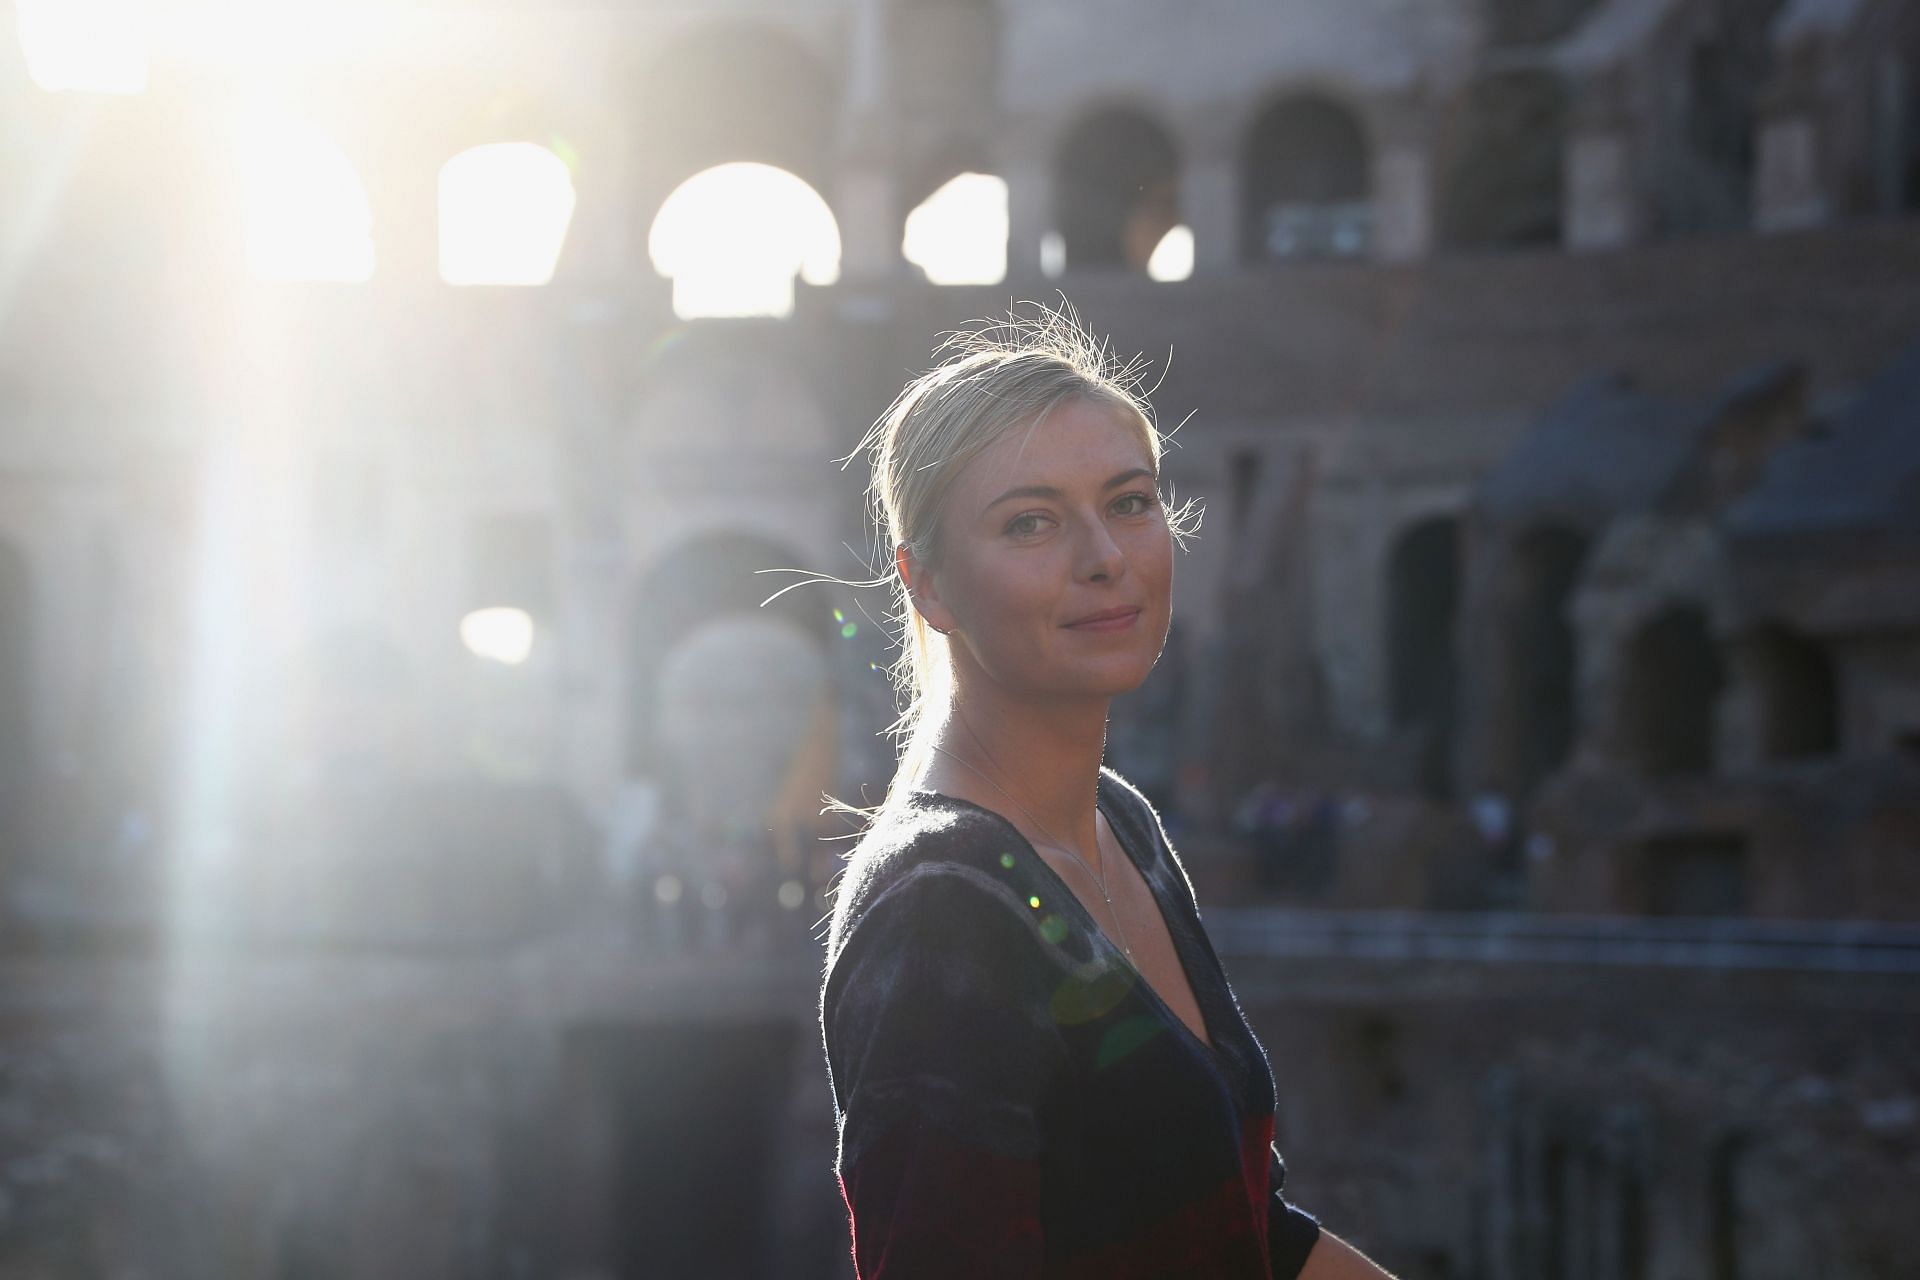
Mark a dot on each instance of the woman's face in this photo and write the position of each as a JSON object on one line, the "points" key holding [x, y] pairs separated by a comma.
{"points": [[1054, 570]]}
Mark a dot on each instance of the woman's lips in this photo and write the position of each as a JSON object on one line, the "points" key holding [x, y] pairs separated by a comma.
{"points": [[1106, 620]]}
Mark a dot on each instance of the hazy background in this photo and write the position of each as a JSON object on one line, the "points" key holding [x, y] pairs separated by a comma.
{"points": [[410, 850]]}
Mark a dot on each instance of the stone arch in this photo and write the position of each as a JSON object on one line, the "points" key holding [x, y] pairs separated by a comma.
{"points": [[1542, 651], [1116, 188], [941, 54], [1798, 694], [708, 580], [1673, 678], [730, 91], [1306, 186], [16, 684], [1423, 594], [1504, 143]]}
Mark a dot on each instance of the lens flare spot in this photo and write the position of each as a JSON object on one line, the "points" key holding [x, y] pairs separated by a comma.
{"points": [[1125, 1037], [1034, 902], [1091, 993], [1054, 930], [503, 635], [849, 630], [1006, 860], [792, 895], [667, 890]]}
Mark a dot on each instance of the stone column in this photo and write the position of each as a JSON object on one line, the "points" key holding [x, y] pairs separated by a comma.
{"points": [[867, 205], [1601, 201], [1790, 188], [1210, 190], [1028, 169], [866, 195], [1402, 178]]}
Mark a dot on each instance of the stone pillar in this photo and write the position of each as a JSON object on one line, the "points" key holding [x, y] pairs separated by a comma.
{"points": [[1028, 171], [1790, 189], [866, 194], [1210, 190], [1210, 206], [1601, 199], [867, 205], [1402, 178]]}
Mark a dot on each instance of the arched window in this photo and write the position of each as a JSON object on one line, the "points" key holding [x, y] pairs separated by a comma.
{"points": [[1543, 651], [1799, 697], [504, 211], [732, 238], [1504, 144], [307, 215], [1673, 682], [1116, 192], [1725, 70], [1423, 591], [1306, 185], [958, 235]]}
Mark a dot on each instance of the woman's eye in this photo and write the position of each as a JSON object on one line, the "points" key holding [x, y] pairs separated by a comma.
{"points": [[1024, 524], [1134, 504]]}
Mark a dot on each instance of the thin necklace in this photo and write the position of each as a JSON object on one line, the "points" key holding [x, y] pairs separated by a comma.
{"points": [[1052, 839]]}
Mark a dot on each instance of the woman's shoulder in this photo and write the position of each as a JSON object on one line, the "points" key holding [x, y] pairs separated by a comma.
{"points": [[929, 848]]}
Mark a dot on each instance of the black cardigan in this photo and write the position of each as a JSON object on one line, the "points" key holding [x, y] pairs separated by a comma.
{"points": [[1013, 1098]]}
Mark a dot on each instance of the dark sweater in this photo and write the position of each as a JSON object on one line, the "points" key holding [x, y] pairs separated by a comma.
{"points": [[1014, 1099]]}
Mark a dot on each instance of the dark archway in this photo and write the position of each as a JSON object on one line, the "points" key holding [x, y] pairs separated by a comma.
{"points": [[1116, 190], [1799, 695], [16, 682], [1727, 67], [1505, 144], [1693, 873], [1528, 22], [707, 580], [1423, 595], [1673, 681], [1543, 651], [1306, 183], [1906, 177]]}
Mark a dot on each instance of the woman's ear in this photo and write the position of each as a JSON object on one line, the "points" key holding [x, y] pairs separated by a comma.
{"points": [[921, 590]]}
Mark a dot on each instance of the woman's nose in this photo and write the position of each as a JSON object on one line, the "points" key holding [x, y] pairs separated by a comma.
{"points": [[1101, 559]]}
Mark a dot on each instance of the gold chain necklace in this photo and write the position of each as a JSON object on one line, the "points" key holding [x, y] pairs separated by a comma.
{"points": [[1052, 839]]}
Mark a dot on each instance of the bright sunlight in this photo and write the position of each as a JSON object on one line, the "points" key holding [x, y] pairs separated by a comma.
{"points": [[732, 238], [500, 635], [90, 46], [958, 235], [504, 210], [307, 212], [1172, 258]]}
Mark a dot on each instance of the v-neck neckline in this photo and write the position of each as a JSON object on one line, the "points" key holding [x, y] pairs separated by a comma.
{"points": [[1211, 1045]]}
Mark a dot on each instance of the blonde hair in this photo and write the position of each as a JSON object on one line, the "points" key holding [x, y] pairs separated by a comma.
{"points": [[998, 376]]}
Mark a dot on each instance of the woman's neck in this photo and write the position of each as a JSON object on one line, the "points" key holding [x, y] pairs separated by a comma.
{"points": [[1044, 758]]}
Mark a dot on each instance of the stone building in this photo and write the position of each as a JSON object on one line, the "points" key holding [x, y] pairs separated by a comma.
{"points": [[1546, 367]]}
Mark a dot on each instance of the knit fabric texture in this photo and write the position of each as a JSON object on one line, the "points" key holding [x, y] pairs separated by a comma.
{"points": [[1013, 1098]]}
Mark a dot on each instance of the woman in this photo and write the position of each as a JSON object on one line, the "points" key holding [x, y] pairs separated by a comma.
{"points": [[1038, 1066]]}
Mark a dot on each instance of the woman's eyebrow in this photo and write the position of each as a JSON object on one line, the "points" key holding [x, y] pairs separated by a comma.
{"points": [[1048, 491]]}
